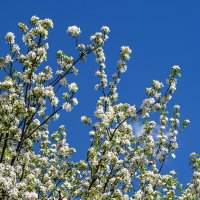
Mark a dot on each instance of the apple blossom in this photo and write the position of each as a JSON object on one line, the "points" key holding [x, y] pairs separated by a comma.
{"points": [[74, 31], [123, 161]]}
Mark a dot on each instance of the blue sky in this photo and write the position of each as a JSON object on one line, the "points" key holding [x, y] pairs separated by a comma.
{"points": [[161, 33]]}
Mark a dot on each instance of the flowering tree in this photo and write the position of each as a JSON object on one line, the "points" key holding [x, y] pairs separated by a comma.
{"points": [[36, 163]]}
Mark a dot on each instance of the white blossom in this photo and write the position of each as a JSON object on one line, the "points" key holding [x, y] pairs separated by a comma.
{"points": [[10, 38], [67, 106], [74, 31], [73, 87], [125, 52]]}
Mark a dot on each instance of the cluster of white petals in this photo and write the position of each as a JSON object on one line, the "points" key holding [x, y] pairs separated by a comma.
{"points": [[74, 31], [10, 38], [122, 162], [125, 52]]}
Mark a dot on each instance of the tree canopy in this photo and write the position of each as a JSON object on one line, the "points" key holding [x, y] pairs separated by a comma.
{"points": [[36, 163]]}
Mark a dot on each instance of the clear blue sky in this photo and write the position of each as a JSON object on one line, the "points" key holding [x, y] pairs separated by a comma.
{"points": [[160, 32]]}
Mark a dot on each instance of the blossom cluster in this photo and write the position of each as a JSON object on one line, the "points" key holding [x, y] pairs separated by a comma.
{"points": [[36, 162], [74, 31]]}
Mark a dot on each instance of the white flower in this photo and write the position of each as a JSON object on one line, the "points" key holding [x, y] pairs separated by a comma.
{"points": [[63, 81], [73, 87], [172, 172], [138, 195], [158, 85], [8, 58], [59, 72], [176, 68], [92, 133], [49, 91], [54, 101], [147, 102], [122, 67], [74, 31], [36, 122], [125, 52], [172, 87], [173, 155], [14, 193], [67, 106], [15, 48], [105, 29], [30, 196], [10, 38], [34, 19], [41, 51], [81, 47], [187, 121], [131, 111], [32, 55], [96, 87], [85, 120], [75, 101], [176, 107]]}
